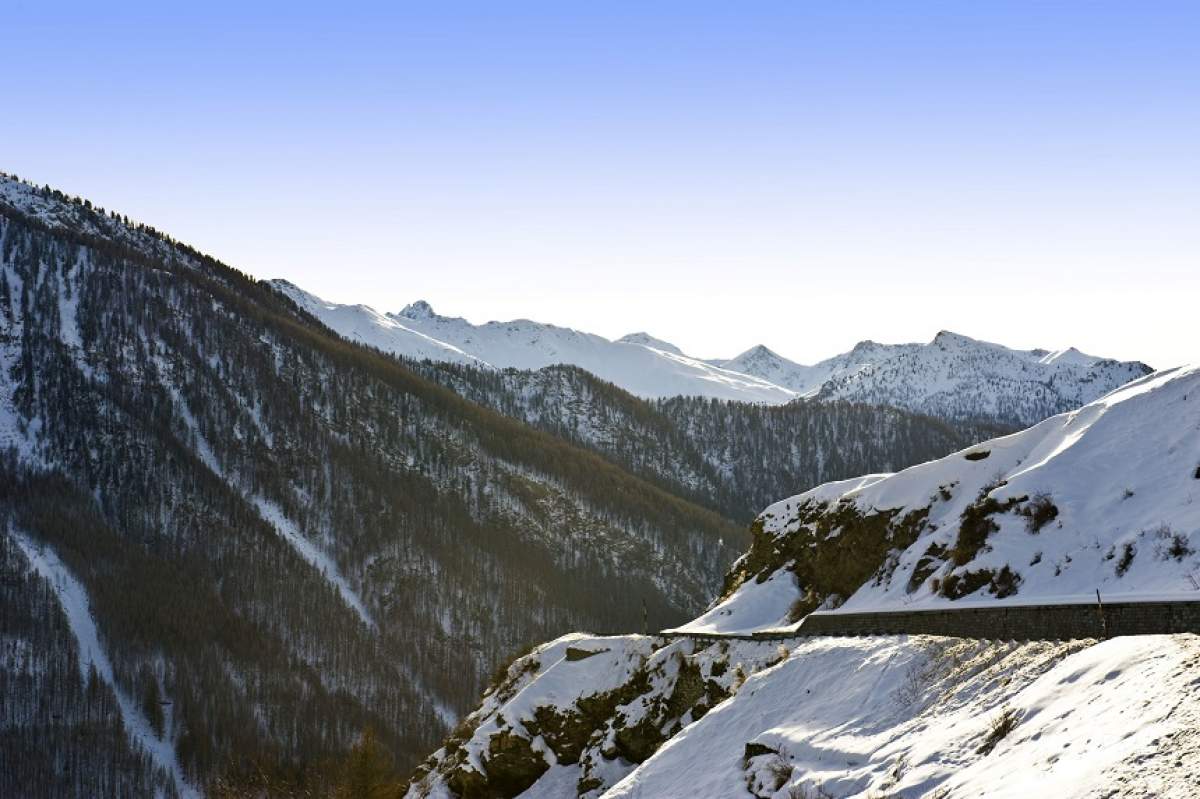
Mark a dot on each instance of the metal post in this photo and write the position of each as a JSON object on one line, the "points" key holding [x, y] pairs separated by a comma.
{"points": [[1100, 608]]}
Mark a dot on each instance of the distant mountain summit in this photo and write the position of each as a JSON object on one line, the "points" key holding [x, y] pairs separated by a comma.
{"points": [[769, 365], [647, 340], [418, 310], [959, 378], [953, 377], [639, 363]]}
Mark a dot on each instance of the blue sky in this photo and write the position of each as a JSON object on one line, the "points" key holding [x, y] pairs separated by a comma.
{"points": [[799, 174]]}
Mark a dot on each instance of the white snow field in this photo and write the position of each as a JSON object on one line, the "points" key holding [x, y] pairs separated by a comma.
{"points": [[952, 376], [910, 717], [886, 716]]}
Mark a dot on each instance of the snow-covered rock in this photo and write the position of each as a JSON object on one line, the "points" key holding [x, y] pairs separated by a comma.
{"points": [[914, 717], [895, 716]]}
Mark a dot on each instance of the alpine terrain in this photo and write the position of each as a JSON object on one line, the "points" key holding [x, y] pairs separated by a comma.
{"points": [[952, 377], [231, 540], [1098, 499]]}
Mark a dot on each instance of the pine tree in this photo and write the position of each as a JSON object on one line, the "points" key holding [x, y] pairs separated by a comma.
{"points": [[367, 773], [151, 703]]}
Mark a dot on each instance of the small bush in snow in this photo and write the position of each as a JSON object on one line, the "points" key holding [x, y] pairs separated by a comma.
{"points": [[1171, 545], [1000, 727], [1039, 512], [935, 662], [1128, 552], [780, 771], [781, 654]]}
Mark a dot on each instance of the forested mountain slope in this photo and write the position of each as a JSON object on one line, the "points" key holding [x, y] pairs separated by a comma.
{"points": [[734, 457], [284, 536]]}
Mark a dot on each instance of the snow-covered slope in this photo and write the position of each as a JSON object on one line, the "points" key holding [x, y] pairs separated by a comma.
{"points": [[956, 377], [952, 377], [1101, 498], [639, 363], [828, 718], [900, 717]]}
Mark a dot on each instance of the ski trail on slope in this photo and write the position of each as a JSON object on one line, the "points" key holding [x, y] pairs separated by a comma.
{"points": [[72, 596]]}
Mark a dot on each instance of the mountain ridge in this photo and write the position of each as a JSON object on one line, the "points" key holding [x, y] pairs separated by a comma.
{"points": [[953, 376]]}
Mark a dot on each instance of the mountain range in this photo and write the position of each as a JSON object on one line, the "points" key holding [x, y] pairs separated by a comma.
{"points": [[231, 539], [239, 526], [952, 377]]}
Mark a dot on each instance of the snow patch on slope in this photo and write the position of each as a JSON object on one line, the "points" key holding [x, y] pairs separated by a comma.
{"points": [[312, 555], [74, 601], [753, 607]]}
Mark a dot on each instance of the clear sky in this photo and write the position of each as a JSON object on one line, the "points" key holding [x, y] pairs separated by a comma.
{"points": [[719, 174]]}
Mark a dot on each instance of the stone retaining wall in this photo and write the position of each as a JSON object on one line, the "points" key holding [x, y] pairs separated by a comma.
{"points": [[1014, 623], [1022, 622]]}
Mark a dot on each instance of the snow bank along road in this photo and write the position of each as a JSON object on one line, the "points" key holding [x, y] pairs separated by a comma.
{"points": [[1047, 621]]}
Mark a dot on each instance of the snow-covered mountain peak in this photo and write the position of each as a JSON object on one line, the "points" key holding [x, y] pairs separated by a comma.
{"points": [[759, 352], [417, 310], [647, 340], [1069, 356], [364, 324], [769, 365], [953, 377], [640, 363], [948, 338], [866, 346], [957, 377]]}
